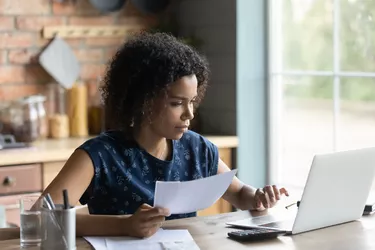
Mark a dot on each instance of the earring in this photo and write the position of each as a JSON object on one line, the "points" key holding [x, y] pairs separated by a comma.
{"points": [[149, 120]]}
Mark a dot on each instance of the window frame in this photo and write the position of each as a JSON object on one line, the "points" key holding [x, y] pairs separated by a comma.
{"points": [[276, 72]]}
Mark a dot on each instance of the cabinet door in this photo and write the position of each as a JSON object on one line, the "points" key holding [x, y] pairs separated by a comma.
{"points": [[20, 179], [221, 206], [50, 171]]}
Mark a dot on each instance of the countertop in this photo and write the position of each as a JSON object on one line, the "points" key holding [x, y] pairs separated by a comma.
{"points": [[60, 150]]}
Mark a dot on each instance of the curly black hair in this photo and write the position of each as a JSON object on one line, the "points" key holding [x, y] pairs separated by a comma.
{"points": [[141, 70]]}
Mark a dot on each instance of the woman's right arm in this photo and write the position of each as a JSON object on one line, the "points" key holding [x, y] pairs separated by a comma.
{"points": [[75, 177]]}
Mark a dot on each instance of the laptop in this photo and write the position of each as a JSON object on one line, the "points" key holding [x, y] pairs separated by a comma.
{"points": [[336, 192]]}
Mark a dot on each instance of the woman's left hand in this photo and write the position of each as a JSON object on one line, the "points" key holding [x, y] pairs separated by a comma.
{"points": [[268, 196]]}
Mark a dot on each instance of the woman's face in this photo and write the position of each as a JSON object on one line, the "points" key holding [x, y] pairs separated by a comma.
{"points": [[172, 114]]}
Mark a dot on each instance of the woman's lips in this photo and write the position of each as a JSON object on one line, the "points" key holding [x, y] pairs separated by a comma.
{"points": [[182, 128]]}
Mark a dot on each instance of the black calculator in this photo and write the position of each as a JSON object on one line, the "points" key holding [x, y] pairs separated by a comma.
{"points": [[255, 234]]}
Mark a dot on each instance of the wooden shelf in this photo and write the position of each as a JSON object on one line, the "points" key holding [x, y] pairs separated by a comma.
{"points": [[88, 31]]}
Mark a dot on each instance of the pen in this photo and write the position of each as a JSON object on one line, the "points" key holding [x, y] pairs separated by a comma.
{"points": [[66, 199], [51, 206], [49, 201], [298, 202]]}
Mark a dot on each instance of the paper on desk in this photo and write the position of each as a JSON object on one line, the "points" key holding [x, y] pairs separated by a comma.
{"points": [[191, 196], [162, 239], [98, 243]]}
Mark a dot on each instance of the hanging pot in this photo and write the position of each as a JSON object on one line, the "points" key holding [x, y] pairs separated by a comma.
{"points": [[150, 6], [108, 5]]}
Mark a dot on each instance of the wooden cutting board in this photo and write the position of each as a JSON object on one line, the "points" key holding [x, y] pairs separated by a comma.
{"points": [[59, 61]]}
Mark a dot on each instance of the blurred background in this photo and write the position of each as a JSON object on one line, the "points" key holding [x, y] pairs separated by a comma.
{"points": [[290, 79]]}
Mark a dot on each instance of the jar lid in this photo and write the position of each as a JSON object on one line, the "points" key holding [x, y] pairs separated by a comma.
{"points": [[31, 99]]}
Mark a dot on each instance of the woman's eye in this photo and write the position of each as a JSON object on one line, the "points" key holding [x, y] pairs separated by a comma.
{"points": [[176, 103]]}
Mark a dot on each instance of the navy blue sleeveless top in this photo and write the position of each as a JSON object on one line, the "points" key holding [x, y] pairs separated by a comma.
{"points": [[125, 174]]}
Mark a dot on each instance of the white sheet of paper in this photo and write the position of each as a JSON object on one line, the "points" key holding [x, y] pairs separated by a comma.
{"points": [[162, 239], [97, 242], [191, 196]]}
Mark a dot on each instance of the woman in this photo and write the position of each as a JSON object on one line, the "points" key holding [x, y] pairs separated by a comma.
{"points": [[151, 88]]}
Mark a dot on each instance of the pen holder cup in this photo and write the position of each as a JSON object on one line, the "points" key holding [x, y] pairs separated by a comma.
{"points": [[58, 229]]}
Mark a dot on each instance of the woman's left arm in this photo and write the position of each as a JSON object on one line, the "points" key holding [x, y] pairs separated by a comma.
{"points": [[246, 197]]}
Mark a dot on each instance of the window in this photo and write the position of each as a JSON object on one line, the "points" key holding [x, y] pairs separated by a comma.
{"points": [[322, 82]]}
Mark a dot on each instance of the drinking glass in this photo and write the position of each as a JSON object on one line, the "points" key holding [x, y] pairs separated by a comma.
{"points": [[30, 213]]}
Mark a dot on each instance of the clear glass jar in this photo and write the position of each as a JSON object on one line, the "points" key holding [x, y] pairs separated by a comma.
{"points": [[5, 126], [42, 116], [58, 120], [95, 109], [24, 120]]}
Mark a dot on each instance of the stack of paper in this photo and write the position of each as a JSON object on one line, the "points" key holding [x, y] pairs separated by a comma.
{"points": [[161, 240]]}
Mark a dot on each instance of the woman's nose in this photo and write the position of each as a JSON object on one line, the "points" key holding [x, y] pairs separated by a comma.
{"points": [[188, 114]]}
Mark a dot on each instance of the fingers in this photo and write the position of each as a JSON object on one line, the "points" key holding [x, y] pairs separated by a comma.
{"points": [[276, 192], [147, 232], [258, 202], [147, 220], [284, 191], [145, 206], [154, 211], [260, 194], [154, 222], [268, 196], [268, 190]]}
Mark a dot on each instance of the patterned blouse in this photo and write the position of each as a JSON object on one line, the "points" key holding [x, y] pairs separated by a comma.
{"points": [[125, 174]]}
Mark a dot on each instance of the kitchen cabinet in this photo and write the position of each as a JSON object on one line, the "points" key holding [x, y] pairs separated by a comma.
{"points": [[220, 206], [17, 180], [50, 171], [20, 179]]}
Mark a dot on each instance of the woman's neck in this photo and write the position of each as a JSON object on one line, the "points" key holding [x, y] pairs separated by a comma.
{"points": [[152, 143]]}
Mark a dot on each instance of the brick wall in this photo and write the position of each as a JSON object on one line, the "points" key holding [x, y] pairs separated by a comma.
{"points": [[21, 22]]}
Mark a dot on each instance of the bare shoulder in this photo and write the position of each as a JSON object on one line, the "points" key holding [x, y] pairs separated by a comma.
{"points": [[75, 176], [78, 163], [79, 156]]}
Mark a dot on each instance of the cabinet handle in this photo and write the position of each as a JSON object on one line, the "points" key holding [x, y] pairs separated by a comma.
{"points": [[9, 181]]}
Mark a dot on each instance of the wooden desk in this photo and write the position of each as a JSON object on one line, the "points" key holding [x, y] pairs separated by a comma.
{"points": [[211, 233]]}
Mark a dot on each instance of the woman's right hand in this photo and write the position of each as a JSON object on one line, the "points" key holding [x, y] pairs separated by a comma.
{"points": [[146, 221]]}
